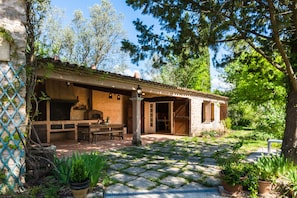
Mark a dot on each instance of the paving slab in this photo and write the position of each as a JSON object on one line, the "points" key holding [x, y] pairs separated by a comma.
{"points": [[116, 188], [193, 175], [141, 183], [134, 170], [151, 174], [175, 182], [123, 178]]}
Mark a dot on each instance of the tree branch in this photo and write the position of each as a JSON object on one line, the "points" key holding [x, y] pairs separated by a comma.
{"points": [[279, 46], [276, 65]]}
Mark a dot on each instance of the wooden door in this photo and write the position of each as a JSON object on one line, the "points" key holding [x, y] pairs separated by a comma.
{"points": [[181, 117]]}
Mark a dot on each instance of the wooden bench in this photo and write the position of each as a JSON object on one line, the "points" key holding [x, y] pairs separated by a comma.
{"points": [[113, 130]]}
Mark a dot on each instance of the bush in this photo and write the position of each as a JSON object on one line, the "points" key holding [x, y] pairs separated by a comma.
{"points": [[228, 123], [94, 164], [78, 172]]}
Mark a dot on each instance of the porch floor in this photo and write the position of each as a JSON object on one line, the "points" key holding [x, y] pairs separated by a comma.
{"points": [[65, 148]]}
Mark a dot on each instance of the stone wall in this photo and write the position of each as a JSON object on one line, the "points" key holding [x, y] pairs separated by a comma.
{"points": [[12, 92], [196, 123]]}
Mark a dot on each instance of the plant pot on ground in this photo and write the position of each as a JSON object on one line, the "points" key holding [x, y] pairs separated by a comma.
{"points": [[232, 173], [79, 178], [232, 177], [267, 170]]}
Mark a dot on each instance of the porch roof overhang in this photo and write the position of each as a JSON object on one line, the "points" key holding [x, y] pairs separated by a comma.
{"points": [[112, 82]]}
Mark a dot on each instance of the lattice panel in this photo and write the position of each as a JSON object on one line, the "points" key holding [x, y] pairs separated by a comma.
{"points": [[12, 120]]}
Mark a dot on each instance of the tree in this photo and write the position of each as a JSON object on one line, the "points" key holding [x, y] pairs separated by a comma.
{"points": [[87, 41], [269, 27], [35, 14], [195, 74], [263, 106]]}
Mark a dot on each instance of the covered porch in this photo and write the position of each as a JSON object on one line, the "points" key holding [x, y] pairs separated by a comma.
{"points": [[83, 96]]}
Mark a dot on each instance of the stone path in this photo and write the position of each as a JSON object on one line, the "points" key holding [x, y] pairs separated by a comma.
{"points": [[177, 168]]}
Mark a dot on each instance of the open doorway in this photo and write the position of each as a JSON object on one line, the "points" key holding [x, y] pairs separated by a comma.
{"points": [[162, 117]]}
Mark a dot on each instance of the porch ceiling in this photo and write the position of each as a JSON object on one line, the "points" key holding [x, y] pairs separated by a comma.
{"points": [[104, 89]]}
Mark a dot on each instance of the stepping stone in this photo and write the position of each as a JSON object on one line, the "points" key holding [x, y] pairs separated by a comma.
{"points": [[141, 183], [161, 188], [194, 158], [151, 174], [193, 167], [212, 181], [209, 161], [138, 162], [211, 170], [174, 181], [191, 175], [123, 178], [134, 170], [115, 188], [118, 166], [152, 166], [171, 170]]}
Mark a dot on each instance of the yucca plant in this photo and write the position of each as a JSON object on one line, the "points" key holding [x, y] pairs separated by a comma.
{"points": [[267, 168], [292, 185], [95, 163], [78, 172], [62, 169]]}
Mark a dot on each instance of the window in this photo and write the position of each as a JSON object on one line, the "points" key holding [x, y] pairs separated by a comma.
{"points": [[223, 111], [212, 112], [207, 112], [151, 115]]}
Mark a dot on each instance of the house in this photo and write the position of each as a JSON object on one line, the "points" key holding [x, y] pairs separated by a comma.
{"points": [[83, 95]]}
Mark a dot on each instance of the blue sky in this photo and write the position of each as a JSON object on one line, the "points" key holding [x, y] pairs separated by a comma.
{"points": [[69, 6]]}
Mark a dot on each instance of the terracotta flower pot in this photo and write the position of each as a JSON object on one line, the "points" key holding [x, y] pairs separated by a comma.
{"points": [[231, 189], [264, 187]]}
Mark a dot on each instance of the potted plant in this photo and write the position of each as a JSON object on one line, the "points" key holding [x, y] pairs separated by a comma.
{"points": [[267, 173], [232, 173], [79, 178], [232, 177], [250, 182]]}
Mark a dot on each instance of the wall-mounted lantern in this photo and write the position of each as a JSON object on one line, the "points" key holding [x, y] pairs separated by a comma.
{"points": [[139, 91], [110, 96]]}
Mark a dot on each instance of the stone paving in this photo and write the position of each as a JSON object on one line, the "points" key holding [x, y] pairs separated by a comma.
{"points": [[163, 167]]}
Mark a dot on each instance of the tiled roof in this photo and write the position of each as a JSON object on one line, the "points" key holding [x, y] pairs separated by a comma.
{"points": [[65, 66]]}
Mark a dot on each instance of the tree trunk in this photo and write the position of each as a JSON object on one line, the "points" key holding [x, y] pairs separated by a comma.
{"points": [[289, 146]]}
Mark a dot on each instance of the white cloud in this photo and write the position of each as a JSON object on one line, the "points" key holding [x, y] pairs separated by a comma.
{"points": [[218, 84]]}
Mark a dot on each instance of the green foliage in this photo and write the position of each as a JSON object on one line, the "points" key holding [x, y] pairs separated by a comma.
{"points": [[2, 175], [87, 41], [292, 178], [6, 35], [228, 123], [253, 74], [94, 164], [78, 171], [267, 168], [225, 157], [62, 169], [231, 164], [194, 74], [251, 178], [267, 118]]}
